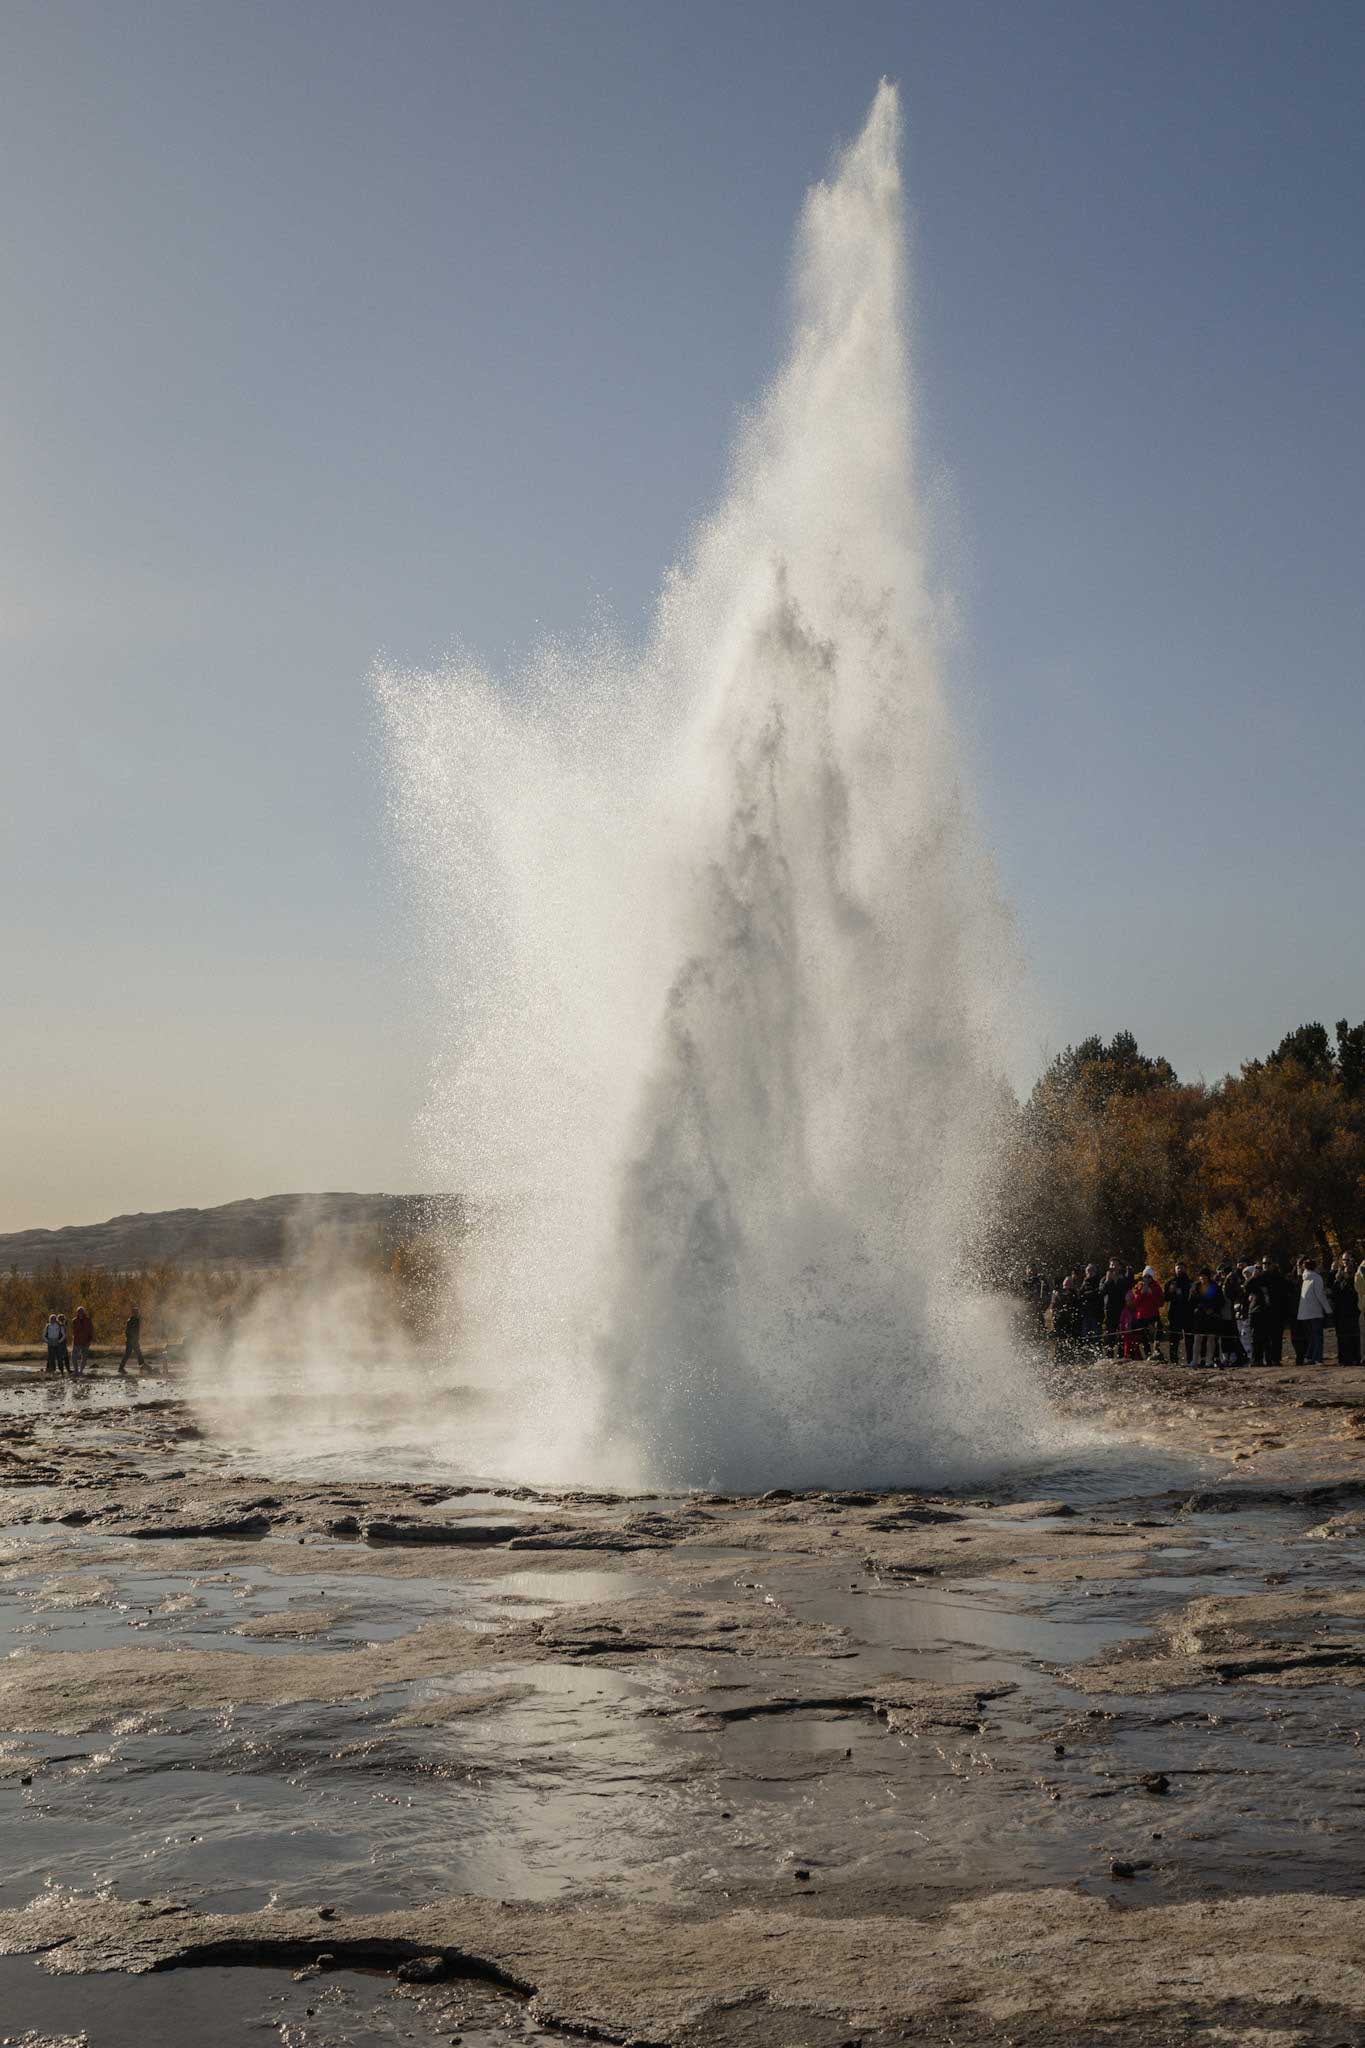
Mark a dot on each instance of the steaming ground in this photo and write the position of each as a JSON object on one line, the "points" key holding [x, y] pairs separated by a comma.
{"points": [[724, 966]]}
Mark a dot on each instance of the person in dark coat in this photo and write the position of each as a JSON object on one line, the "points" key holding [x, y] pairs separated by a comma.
{"points": [[1345, 1312], [1113, 1293], [1277, 1299], [1179, 1318], [1260, 1309], [1066, 1316], [1092, 1308], [132, 1339], [1209, 1312]]}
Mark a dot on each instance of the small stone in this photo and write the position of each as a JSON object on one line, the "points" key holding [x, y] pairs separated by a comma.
{"points": [[801, 1875], [1059, 1749], [1118, 1868], [327, 1912], [1157, 1783]]}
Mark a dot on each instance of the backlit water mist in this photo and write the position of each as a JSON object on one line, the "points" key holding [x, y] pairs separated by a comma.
{"points": [[722, 960]]}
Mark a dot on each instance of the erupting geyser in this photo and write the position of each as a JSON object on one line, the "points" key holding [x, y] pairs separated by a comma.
{"points": [[723, 962]]}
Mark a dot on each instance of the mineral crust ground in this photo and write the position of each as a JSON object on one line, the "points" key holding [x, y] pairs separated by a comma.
{"points": [[1074, 1757]]}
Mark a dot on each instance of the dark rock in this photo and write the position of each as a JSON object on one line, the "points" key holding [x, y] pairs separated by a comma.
{"points": [[1118, 1868], [423, 1970], [225, 1525], [487, 1534]]}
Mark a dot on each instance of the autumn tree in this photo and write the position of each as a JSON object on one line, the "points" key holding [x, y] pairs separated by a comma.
{"points": [[1100, 1156], [1280, 1160]]}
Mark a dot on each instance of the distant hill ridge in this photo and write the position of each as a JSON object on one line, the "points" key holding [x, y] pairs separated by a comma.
{"points": [[270, 1230]]}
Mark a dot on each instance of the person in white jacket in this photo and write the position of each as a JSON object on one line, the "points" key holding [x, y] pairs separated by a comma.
{"points": [[1314, 1310]]}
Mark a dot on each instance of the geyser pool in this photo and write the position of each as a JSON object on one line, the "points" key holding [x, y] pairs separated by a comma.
{"points": [[725, 967]]}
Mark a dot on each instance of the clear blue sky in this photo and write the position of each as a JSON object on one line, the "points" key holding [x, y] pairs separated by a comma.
{"points": [[337, 329]]}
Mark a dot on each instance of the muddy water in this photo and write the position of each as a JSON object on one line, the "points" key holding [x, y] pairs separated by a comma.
{"points": [[851, 1702]]}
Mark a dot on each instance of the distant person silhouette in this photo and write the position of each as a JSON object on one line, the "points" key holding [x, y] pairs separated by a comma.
{"points": [[52, 1337], [132, 1339], [63, 1348]]}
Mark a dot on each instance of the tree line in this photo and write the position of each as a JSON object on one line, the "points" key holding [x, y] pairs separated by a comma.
{"points": [[177, 1301], [1112, 1154]]}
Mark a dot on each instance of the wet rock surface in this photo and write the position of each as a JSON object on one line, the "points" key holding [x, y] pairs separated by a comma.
{"points": [[1075, 1757]]}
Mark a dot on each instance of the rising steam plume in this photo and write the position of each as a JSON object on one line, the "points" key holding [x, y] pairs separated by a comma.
{"points": [[722, 962]]}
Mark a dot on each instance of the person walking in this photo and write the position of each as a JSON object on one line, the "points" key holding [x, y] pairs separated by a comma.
{"points": [[132, 1340], [1315, 1310], [1179, 1289], [52, 1337], [82, 1337]]}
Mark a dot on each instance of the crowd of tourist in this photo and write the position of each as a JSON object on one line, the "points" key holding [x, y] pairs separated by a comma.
{"points": [[1239, 1313], [69, 1347]]}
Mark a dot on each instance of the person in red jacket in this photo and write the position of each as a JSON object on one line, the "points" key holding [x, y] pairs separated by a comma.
{"points": [[1146, 1298], [82, 1337]]}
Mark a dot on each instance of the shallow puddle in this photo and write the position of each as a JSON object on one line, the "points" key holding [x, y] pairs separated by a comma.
{"points": [[213, 2007]]}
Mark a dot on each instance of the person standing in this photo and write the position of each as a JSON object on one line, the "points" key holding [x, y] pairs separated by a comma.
{"points": [[1178, 1314], [1298, 1328], [63, 1346], [1092, 1308], [1260, 1311], [1208, 1318], [1113, 1294], [132, 1340], [1033, 1292], [1345, 1312], [82, 1337], [1066, 1316], [52, 1337], [1277, 1299], [1146, 1297], [1314, 1311]]}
